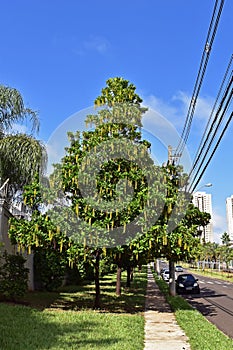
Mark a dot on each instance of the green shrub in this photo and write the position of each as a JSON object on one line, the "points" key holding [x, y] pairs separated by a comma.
{"points": [[49, 269], [13, 276]]}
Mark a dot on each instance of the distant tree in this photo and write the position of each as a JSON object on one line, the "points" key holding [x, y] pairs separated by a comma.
{"points": [[175, 231], [225, 238]]}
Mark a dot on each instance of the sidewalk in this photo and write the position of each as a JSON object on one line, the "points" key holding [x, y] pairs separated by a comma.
{"points": [[161, 329]]}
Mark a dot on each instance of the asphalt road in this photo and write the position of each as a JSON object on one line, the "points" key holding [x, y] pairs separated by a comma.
{"points": [[215, 302]]}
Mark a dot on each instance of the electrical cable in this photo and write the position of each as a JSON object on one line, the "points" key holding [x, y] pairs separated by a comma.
{"points": [[200, 77], [214, 150], [222, 109], [209, 129]]}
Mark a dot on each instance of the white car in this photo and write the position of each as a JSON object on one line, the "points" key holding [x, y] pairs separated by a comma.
{"points": [[178, 268], [165, 275]]}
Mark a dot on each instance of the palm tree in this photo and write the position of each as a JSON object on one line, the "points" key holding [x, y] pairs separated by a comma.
{"points": [[225, 238], [21, 155]]}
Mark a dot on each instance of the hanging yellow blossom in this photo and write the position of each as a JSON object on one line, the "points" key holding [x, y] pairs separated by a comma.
{"points": [[104, 251], [165, 240], [77, 209], [61, 246]]}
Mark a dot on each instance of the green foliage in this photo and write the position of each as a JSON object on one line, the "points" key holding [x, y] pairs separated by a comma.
{"points": [[127, 197], [22, 156], [213, 252], [107, 266], [46, 239], [136, 211], [13, 276], [173, 236], [118, 90], [225, 238], [49, 269], [39, 232], [12, 108]]}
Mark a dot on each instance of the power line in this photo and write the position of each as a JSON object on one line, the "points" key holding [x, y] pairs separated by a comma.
{"points": [[202, 68], [209, 129], [219, 116], [214, 150]]}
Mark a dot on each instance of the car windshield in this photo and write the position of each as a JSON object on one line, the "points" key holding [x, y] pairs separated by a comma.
{"points": [[184, 278]]}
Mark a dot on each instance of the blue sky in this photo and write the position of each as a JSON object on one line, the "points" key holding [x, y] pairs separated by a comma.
{"points": [[59, 54]]}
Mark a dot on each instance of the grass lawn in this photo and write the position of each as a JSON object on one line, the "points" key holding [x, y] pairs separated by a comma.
{"points": [[65, 320], [202, 334]]}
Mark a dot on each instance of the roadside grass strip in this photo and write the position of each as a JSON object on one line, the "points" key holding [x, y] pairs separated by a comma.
{"points": [[202, 334]]}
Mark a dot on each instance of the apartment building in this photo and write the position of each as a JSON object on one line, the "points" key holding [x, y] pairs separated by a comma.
{"points": [[203, 201], [229, 213]]}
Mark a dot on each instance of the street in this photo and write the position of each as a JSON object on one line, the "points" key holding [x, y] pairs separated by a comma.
{"points": [[215, 302]]}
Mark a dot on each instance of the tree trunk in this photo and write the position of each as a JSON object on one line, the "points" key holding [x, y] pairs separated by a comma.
{"points": [[172, 282], [97, 281], [118, 281], [157, 266], [131, 274], [128, 276]]}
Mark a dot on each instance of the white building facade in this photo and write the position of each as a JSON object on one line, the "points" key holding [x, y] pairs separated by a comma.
{"points": [[229, 212], [203, 201]]}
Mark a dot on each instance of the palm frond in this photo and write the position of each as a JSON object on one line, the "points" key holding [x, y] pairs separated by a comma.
{"points": [[12, 109], [21, 158]]}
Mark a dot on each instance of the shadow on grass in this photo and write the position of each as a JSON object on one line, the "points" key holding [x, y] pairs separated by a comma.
{"points": [[131, 300], [81, 297], [24, 328]]}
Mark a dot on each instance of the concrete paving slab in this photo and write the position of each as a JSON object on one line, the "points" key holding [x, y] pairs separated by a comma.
{"points": [[162, 331]]}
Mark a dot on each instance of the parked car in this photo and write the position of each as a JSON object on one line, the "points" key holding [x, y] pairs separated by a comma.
{"points": [[187, 283], [162, 271], [179, 268], [165, 275]]}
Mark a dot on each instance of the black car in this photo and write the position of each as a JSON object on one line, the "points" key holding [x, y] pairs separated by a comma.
{"points": [[187, 283]]}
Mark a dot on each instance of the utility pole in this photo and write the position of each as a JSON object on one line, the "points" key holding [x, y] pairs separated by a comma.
{"points": [[172, 156], [172, 159]]}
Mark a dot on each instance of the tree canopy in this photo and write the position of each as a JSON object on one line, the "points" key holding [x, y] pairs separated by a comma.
{"points": [[108, 196]]}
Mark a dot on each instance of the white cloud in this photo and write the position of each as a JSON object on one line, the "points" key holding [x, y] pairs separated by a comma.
{"points": [[98, 44], [166, 109], [203, 106], [176, 109]]}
